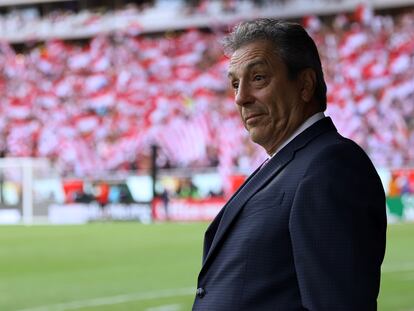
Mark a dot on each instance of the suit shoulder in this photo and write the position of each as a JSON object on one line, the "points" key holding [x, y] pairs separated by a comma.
{"points": [[335, 151], [335, 144]]}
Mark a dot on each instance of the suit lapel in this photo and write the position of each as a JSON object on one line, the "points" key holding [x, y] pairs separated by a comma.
{"points": [[235, 205], [255, 182], [212, 228]]}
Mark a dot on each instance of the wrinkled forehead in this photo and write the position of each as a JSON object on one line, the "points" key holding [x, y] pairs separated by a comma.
{"points": [[258, 54], [237, 69]]}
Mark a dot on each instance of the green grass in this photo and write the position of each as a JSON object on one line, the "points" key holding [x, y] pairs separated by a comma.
{"points": [[139, 267], [397, 286]]}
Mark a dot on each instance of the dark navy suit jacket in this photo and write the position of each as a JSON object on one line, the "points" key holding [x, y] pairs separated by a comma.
{"points": [[305, 232]]}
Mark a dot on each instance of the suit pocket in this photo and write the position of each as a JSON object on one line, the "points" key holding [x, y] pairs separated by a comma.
{"points": [[262, 202]]}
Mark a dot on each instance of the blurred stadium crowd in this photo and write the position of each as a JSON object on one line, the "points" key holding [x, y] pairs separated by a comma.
{"points": [[30, 22], [100, 106]]}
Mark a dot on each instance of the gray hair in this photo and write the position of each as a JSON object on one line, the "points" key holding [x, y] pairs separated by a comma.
{"points": [[292, 44]]}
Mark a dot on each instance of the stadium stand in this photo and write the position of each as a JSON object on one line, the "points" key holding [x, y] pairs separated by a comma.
{"points": [[100, 105]]}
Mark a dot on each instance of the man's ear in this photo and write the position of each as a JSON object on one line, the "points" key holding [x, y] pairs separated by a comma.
{"points": [[307, 80]]}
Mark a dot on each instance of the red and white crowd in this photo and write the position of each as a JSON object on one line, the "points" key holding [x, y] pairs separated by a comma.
{"points": [[27, 23], [101, 106]]}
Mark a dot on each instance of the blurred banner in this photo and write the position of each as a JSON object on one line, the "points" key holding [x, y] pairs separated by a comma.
{"points": [[197, 197], [187, 209], [399, 187]]}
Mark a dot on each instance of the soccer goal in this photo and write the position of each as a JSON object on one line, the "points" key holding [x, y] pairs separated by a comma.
{"points": [[26, 187]]}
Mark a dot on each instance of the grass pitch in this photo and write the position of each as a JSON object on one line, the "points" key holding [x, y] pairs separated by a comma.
{"points": [[128, 266]]}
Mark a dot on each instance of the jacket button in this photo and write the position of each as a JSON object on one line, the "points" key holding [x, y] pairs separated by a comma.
{"points": [[201, 292]]}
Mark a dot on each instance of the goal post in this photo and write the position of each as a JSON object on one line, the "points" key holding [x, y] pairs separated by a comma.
{"points": [[17, 183]]}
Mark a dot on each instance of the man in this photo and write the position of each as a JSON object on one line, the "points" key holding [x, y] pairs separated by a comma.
{"points": [[306, 231]]}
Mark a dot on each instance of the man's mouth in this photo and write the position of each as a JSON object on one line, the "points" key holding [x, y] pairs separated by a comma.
{"points": [[251, 119]]}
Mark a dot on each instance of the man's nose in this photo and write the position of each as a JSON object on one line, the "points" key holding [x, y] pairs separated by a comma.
{"points": [[243, 95]]}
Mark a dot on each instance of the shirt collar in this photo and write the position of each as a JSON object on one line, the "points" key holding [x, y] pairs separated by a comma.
{"points": [[309, 122]]}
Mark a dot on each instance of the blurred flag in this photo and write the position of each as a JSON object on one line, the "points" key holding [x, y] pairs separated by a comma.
{"points": [[363, 14]]}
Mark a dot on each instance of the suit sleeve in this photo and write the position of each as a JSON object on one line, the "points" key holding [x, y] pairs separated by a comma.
{"points": [[337, 226]]}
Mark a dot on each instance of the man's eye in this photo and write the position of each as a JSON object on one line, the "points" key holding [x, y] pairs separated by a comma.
{"points": [[258, 78], [235, 85]]}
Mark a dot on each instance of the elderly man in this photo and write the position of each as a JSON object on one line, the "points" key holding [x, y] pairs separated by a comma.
{"points": [[306, 231]]}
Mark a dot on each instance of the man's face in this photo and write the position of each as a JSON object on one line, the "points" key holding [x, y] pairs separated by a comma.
{"points": [[269, 103]]}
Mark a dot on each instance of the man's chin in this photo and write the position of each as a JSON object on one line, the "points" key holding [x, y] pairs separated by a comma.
{"points": [[259, 137], [256, 137]]}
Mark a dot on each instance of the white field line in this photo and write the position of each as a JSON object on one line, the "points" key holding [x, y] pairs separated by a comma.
{"points": [[403, 267], [101, 301], [112, 300], [165, 308]]}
